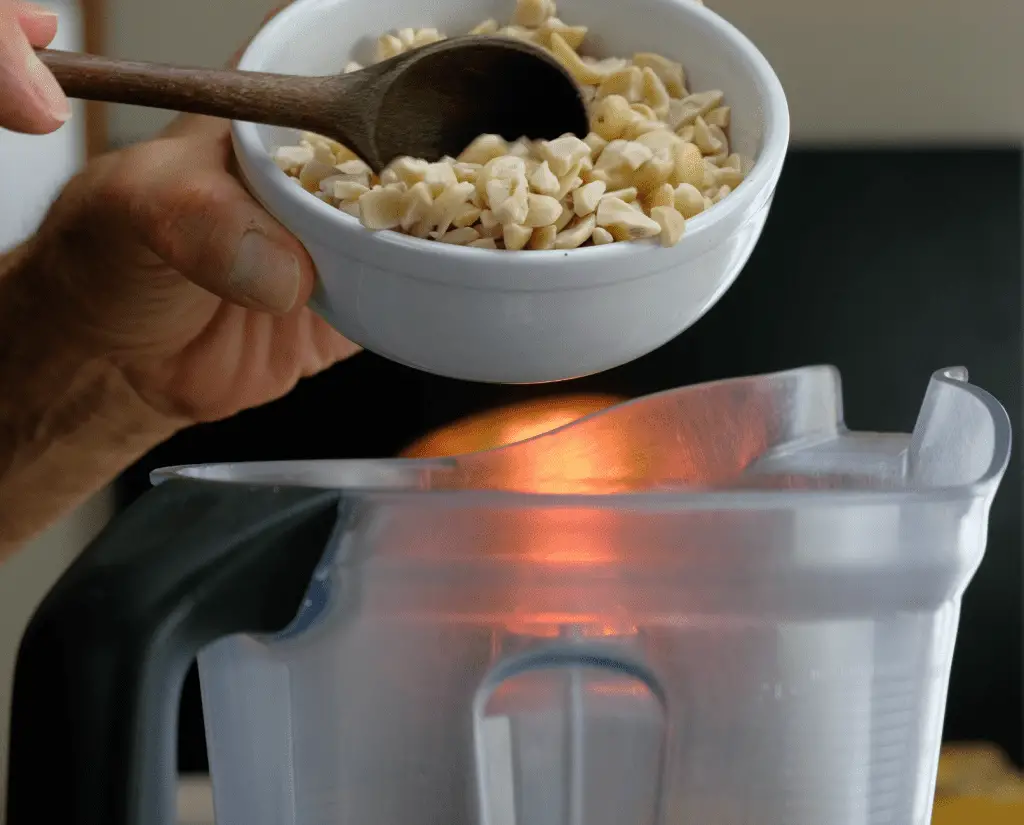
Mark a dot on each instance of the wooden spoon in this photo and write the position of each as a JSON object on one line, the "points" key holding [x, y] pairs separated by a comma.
{"points": [[426, 103]]}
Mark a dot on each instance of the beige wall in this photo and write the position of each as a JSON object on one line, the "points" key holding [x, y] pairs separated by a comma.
{"points": [[872, 70]]}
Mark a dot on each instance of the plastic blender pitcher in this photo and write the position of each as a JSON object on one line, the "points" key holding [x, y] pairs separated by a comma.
{"points": [[711, 606]]}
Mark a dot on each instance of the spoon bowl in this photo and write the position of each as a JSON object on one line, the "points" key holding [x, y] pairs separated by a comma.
{"points": [[529, 316], [435, 100]]}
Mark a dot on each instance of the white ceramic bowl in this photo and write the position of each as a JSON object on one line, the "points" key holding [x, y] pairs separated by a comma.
{"points": [[531, 316]]}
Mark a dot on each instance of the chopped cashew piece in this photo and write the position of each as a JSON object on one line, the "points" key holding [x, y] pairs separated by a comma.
{"points": [[655, 171], [451, 202], [543, 210], [705, 140], [520, 33], [570, 181], [611, 116], [663, 195], [628, 194], [467, 172], [532, 13], [355, 170], [727, 176], [543, 237], [572, 35], [314, 172], [670, 73], [721, 193], [490, 226], [719, 117], [484, 243], [671, 222], [381, 208], [408, 170], [439, 177], [291, 159], [389, 46], [576, 234], [416, 205], [563, 153], [660, 139], [688, 200], [487, 27], [516, 235], [343, 190], [543, 181], [596, 144], [563, 219], [468, 216], [684, 112], [586, 198], [461, 236], [655, 94], [624, 222], [627, 82], [484, 149], [601, 236], [689, 165], [646, 112], [583, 72], [515, 208]]}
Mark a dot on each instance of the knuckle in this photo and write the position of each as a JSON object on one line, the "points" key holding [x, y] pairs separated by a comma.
{"points": [[183, 217], [177, 210]]}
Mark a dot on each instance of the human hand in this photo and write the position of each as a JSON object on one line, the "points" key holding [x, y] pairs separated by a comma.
{"points": [[158, 260], [156, 294], [31, 100]]}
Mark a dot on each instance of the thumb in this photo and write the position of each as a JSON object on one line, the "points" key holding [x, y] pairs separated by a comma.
{"points": [[204, 224], [31, 100]]}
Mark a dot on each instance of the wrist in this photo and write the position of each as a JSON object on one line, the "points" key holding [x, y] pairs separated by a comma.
{"points": [[70, 421]]}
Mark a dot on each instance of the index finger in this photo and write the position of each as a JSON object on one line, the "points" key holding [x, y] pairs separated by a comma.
{"points": [[39, 24], [31, 100]]}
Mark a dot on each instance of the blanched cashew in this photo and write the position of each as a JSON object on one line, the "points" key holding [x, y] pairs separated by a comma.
{"points": [[516, 236], [671, 222], [381, 207], [688, 200], [586, 198], [577, 234], [543, 238], [655, 156]]}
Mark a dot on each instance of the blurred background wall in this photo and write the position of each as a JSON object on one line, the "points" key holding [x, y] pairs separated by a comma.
{"points": [[885, 71]]}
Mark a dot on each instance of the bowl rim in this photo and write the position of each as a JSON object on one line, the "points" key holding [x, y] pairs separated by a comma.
{"points": [[749, 197]]}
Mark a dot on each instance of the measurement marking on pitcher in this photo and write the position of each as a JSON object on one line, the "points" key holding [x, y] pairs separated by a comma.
{"points": [[500, 774]]}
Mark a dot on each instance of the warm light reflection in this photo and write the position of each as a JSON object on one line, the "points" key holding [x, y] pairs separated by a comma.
{"points": [[507, 425], [551, 625], [570, 464]]}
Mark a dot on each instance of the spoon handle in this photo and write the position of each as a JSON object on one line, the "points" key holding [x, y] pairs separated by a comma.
{"points": [[277, 100]]}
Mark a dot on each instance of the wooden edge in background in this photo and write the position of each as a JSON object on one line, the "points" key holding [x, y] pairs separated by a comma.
{"points": [[94, 27]]}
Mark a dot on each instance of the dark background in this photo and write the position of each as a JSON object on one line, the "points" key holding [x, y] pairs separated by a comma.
{"points": [[888, 265]]}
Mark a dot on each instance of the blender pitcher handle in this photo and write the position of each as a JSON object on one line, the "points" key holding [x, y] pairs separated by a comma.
{"points": [[100, 668]]}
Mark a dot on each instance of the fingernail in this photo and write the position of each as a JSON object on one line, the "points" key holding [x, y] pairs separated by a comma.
{"points": [[47, 89], [265, 274], [38, 12]]}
